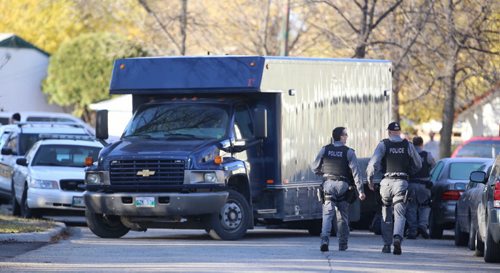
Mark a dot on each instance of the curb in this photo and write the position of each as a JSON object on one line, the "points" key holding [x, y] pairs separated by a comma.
{"points": [[49, 236]]}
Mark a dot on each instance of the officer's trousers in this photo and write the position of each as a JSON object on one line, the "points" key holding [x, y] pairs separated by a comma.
{"points": [[393, 193], [338, 210], [418, 208]]}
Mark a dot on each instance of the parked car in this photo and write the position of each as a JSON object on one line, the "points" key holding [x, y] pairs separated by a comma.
{"points": [[478, 147], [488, 214], [465, 212], [50, 117], [450, 177], [17, 139], [51, 176]]}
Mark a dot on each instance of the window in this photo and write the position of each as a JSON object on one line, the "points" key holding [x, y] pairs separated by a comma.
{"points": [[462, 170], [436, 171], [64, 155], [243, 123]]}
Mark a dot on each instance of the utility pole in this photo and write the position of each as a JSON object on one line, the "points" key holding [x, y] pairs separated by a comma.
{"points": [[286, 28]]}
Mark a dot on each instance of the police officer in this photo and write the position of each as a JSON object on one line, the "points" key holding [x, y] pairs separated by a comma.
{"points": [[337, 164], [398, 159], [419, 188]]}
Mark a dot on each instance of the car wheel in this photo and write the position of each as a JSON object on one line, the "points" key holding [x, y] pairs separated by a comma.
{"points": [[233, 220], [460, 237], [16, 208], [105, 226], [472, 236], [25, 210], [491, 248], [479, 246], [436, 231]]}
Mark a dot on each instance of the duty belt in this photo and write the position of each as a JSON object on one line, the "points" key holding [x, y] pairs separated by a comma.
{"points": [[336, 177], [402, 176]]}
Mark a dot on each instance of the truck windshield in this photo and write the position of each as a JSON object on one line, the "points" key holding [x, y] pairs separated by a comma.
{"points": [[179, 121]]}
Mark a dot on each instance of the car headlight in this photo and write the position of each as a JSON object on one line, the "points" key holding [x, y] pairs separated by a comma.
{"points": [[210, 178], [43, 184], [93, 179]]}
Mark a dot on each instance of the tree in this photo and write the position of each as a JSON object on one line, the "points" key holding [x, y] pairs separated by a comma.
{"points": [[80, 70]]}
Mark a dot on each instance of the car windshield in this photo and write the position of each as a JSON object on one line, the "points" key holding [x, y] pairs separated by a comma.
{"points": [[462, 170], [480, 149], [179, 121], [64, 155], [27, 140]]}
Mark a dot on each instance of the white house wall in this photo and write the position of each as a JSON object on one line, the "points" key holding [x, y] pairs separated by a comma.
{"points": [[22, 71], [482, 120]]}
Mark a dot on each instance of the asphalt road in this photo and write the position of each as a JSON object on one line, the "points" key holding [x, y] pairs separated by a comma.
{"points": [[260, 251]]}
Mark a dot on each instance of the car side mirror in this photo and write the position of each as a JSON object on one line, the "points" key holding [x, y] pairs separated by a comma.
{"points": [[478, 177], [22, 161], [101, 126], [260, 122], [6, 151]]}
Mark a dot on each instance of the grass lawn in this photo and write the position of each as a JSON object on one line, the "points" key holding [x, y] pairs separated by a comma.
{"points": [[11, 224]]}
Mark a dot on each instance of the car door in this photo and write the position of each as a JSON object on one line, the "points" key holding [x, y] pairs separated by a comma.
{"points": [[21, 174], [5, 182]]}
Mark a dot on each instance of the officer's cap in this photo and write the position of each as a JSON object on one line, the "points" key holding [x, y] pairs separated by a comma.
{"points": [[394, 126]]}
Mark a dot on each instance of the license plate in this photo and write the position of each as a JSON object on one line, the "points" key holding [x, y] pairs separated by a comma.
{"points": [[145, 202], [78, 202]]}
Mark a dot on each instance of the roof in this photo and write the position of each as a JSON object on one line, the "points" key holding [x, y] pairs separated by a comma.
{"points": [[47, 128], [77, 142], [480, 100], [184, 74], [10, 40]]}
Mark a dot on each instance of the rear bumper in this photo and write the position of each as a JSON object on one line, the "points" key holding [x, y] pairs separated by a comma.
{"points": [[445, 212], [166, 204], [494, 225]]}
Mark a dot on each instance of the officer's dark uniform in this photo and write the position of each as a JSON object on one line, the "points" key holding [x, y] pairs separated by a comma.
{"points": [[400, 159], [418, 208], [338, 165]]}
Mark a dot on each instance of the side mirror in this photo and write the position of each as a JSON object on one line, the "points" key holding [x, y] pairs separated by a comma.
{"points": [[22, 161], [478, 177], [101, 126], [6, 151], [260, 122]]}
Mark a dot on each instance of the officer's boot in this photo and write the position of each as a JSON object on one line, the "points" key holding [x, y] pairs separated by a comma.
{"points": [[397, 245], [423, 232], [324, 244]]}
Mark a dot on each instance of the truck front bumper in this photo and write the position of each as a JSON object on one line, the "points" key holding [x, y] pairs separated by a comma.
{"points": [[165, 204]]}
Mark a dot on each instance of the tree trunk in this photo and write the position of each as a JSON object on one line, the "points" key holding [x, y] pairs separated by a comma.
{"points": [[395, 96], [183, 26]]}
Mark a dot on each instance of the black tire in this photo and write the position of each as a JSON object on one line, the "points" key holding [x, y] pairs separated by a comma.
{"points": [[436, 231], [105, 226], [233, 220], [472, 237], [491, 248], [25, 210], [16, 208], [479, 246], [461, 238], [314, 227]]}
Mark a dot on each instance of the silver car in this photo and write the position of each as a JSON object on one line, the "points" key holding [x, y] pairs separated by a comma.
{"points": [[450, 177]]}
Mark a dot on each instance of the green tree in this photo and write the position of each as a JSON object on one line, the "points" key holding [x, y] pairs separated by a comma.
{"points": [[80, 70]]}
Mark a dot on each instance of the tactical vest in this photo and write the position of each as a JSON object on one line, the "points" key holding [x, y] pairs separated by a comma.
{"points": [[335, 161], [426, 167], [397, 158]]}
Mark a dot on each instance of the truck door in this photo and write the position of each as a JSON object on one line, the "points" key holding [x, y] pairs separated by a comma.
{"points": [[243, 130]]}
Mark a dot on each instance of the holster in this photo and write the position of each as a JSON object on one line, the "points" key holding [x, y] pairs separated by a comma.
{"points": [[351, 194]]}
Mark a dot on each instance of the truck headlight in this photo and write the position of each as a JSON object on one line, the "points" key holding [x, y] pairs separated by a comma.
{"points": [[93, 179], [43, 184], [210, 178]]}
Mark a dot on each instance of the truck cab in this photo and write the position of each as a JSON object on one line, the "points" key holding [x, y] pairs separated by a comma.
{"points": [[225, 143]]}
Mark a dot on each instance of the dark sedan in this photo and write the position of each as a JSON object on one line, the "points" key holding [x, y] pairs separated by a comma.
{"points": [[488, 214], [466, 211], [450, 177]]}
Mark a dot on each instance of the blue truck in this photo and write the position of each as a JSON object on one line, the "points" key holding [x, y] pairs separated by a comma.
{"points": [[225, 143]]}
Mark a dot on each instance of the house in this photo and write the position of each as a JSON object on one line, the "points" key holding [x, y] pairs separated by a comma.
{"points": [[23, 67], [480, 117]]}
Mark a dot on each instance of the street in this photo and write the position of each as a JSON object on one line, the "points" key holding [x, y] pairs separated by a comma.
{"points": [[261, 250]]}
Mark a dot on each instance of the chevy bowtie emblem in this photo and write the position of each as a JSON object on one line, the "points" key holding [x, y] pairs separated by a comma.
{"points": [[146, 173]]}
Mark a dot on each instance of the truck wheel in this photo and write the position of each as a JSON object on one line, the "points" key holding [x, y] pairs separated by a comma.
{"points": [[491, 248], [436, 231], [25, 210], [16, 208], [233, 220], [460, 237], [472, 237], [479, 246], [314, 227], [105, 226]]}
